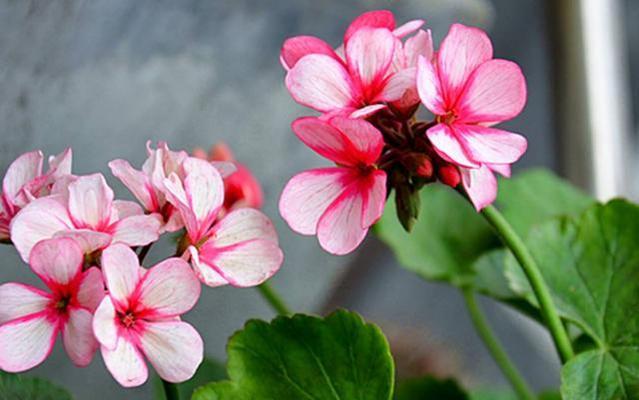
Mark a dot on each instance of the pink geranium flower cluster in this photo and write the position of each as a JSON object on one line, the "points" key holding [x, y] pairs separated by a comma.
{"points": [[368, 92], [82, 244]]}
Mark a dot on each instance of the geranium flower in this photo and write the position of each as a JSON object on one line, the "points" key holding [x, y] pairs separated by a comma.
{"points": [[25, 181], [337, 204], [32, 318], [140, 318], [376, 67], [469, 91], [240, 248], [85, 210]]}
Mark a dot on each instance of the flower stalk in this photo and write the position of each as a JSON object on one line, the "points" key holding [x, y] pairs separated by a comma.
{"points": [[273, 299], [170, 390]]}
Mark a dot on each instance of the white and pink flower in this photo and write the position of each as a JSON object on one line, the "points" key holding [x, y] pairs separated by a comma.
{"points": [[140, 318], [338, 204], [32, 318], [469, 91]]}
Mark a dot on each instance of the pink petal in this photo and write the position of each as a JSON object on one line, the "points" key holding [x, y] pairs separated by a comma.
{"points": [[120, 268], [461, 51], [374, 192], [496, 91], [340, 228], [39, 220], [480, 185], [429, 87], [138, 230], [204, 188], [225, 168], [18, 300], [408, 28], [88, 240], [204, 272], [369, 54], [60, 165], [91, 290], [297, 47], [23, 170], [90, 201], [489, 145], [137, 182], [125, 363], [365, 112], [176, 195], [105, 326], [244, 264], [397, 85], [168, 289], [448, 145], [243, 224], [501, 169], [308, 194], [362, 138], [321, 82], [26, 342], [57, 261], [77, 337], [419, 45], [371, 19], [174, 348]]}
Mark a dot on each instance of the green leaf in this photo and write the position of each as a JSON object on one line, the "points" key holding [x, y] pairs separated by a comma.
{"points": [[305, 357], [20, 387], [492, 394], [591, 266], [209, 370], [429, 388]]}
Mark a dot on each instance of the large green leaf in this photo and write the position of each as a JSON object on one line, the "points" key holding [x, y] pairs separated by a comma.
{"points": [[591, 266], [304, 357], [429, 388], [209, 370], [20, 387]]}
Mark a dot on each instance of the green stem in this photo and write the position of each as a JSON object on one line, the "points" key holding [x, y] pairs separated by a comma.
{"points": [[529, 265], [500, 356], [273, 299], [170, 390]]}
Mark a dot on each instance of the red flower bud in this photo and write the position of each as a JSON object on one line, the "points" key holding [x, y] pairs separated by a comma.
{"points": [[449, 175]]}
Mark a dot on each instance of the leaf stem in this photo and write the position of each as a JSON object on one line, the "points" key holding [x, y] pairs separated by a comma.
{"points": [[500, 356], [170, 390], [536, 280], [273, 299]]}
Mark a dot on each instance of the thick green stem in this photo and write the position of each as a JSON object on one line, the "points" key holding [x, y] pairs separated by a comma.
{"points": [[529, 265], [273, 299], [500, 356], [170, 390]]}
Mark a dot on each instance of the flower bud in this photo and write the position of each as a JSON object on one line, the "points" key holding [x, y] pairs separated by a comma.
{"points": [[407, 202], [449, 175], [419, 165]]}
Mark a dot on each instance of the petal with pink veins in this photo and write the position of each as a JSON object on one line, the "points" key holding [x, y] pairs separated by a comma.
{"points": [[168, 289], [174, 348], [88, 240], [205, 272], [480, 185], [371, 19], [57, 261], [419, 45], [125, 363], [365, 112], [91, 290], [399, 82], [175, 194], [429, 87], [241, 225], [489, 145], [23, 170], [105, 326], [137, 182], [449, 146], [340, 228], [496, 91], [308, 194], [362, 139], [90, 201], [374, 191], [204, 188], [322, 83], [501, 169], [60, 165], [369, 54], [120, 268], [408, 28], [26, 342], [460, 53], [299, 46], [138, 230], [18, 300], [77, 337]]}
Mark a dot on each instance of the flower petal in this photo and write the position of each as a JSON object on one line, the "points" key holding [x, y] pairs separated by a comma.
{"points": [[369, 53], [374, 191], [297, 47], [480, 185], [204, 272], [495, 92], [77, 337], [168, 289], [241, 225], [371, 19], [26, 342], [174, 348], [137, 182], [90, 201], [91, 290], [408, 28], [22, 170], [501, 169], [125, 363], [308, 194], [448, 145], [60, 165], [320, 82], [138, 230], [18, 300], [204, 188], [121, 271], [398, 83], [57, 261], [41, 219], [429, 87], [462, 50], [421, 44], [365, 112], [88, 240], [340, 228], [489, 145], [105, 326]]}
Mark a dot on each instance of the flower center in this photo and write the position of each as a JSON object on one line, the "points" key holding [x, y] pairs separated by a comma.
{"points": [[62, 303], [447, 119], [128, 319]]}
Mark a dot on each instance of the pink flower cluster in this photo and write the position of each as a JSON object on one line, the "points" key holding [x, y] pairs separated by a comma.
{"points": [[82, 244], [368, 91]]}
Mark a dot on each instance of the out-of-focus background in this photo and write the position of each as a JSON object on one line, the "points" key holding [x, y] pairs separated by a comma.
{"points": [[105, 76]]}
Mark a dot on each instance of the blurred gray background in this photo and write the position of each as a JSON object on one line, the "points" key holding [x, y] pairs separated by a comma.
{"points": [[106, 76]]}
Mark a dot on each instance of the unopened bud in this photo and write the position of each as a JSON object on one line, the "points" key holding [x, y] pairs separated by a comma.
{"points": [[221, 152], [407, 202], [419, 165], [449, 175]]}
